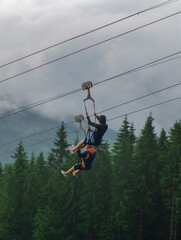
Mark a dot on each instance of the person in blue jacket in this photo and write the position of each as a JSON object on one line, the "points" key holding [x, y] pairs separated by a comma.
{"points": [[96, 138], [86, 164]]}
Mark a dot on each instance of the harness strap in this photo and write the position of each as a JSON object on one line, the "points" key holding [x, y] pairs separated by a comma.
{"points": [[89, 133], [77, 136]]}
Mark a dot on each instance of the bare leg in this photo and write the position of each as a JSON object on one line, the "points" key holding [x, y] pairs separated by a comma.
{"points": [[70, 170], [83, 145], [76, 171], [78, 146]]}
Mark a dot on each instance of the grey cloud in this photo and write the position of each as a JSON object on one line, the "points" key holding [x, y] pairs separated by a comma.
{"points": [[49, 24]]}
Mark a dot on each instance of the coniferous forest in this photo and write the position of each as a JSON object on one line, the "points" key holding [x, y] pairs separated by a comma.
{"points": [[132, 192]]}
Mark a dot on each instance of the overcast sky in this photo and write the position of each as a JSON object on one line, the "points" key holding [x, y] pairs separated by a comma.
{"points": [[30, 25]]}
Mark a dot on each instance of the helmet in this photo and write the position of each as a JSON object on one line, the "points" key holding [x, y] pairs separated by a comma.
{"points": [[102, 119]]}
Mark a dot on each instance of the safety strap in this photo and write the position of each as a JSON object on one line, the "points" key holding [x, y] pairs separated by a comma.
{"points": [[89, 135]]}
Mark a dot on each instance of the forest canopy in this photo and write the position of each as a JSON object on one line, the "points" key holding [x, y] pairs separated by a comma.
{"points": [[132, 192]]}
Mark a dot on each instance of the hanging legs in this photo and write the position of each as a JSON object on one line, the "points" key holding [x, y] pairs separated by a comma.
{"points": [[79, 146], [71, 170]]}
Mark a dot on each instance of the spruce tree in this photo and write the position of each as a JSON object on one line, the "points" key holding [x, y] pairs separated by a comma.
{"points": [[20, 208], [102, 171], [59, 153], [146, 179], [41, 176], [162, 163], [42, 224], [29, 194], [171, 181], [1, 170], [121, 164], [8, 202]]}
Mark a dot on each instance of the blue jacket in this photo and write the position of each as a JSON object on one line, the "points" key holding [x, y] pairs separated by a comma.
{"points": [[99, 131]]}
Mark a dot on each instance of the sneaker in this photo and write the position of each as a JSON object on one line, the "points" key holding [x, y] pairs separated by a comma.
{"points": [[71, 148], [63, 173], [73, 173]]}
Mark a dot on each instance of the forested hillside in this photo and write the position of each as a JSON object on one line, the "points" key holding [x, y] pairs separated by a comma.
{"points": [[132, 192]]}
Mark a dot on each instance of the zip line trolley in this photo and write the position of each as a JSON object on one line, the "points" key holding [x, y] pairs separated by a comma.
{"points": [[79, 119], [87, 86]]}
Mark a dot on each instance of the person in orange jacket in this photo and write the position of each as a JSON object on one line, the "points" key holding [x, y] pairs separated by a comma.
{"points": [[86, 164]]}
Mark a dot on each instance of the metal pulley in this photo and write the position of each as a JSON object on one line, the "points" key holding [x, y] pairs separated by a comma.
{"points": [[87, 86]]}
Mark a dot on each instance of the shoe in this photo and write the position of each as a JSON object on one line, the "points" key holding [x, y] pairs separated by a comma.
{"points": [[71, 148], [73, 173], [63, 173]]}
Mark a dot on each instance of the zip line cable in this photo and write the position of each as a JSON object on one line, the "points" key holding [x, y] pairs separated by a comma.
{"points": [[22, 109], [86, 48], [111, 119], [35, 134], [150, 64], [142, 67], [91, 31], [108, 109], [138, 98], [145, 108]]}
